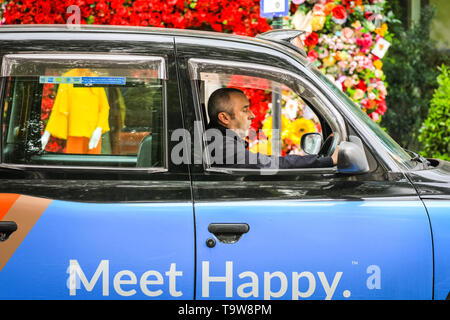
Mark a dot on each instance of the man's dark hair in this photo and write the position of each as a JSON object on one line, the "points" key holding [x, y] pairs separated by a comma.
{"points": [[219, 101]]}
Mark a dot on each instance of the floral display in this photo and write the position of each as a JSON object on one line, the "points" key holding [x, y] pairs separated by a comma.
{"points": [[2, 9], [231, 16], [296, 120], [346, 40]]}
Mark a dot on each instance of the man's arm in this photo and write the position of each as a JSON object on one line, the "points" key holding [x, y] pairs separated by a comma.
{"points": [[308, 161], [236, 155]]}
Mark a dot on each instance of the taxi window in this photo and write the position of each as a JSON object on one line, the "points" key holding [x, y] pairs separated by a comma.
{"points": [[396, 152], [83, 110], [283, 111], [297, 118]]}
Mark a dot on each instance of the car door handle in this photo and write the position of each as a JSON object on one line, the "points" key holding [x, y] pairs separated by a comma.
{"points": [[6, 229], [228, 232]]}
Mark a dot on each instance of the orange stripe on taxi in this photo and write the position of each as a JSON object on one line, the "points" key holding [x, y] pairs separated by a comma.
{"points": [[6, 202], [25, 211]]}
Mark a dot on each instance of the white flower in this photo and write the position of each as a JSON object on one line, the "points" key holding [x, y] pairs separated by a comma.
{"points": [[290, 109]]}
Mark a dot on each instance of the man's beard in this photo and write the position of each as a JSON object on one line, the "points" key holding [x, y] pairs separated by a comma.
{"points": [[243, 133]]}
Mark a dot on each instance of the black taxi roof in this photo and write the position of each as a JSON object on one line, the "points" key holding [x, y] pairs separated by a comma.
{"points": [[114, 28], [49, 28], [31, 29]]}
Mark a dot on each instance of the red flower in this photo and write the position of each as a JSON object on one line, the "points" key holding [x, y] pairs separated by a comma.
{"points": [[361, 85], [312, 55], [312, 39], [339, 12], [231, 16], [381, 107]]}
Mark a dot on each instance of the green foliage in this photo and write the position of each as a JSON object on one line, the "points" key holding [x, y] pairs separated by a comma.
{"points": [[410, 69], [434, 133]]}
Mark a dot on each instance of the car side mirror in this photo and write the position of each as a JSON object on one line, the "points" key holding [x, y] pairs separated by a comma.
{"points": [[351, 157], [311, 142]]}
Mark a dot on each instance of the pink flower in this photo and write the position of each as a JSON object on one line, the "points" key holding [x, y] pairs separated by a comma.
{"points": [[318, 7], [374, 116], [312, 55], [323, 54], [365, 42], [347, 34]]}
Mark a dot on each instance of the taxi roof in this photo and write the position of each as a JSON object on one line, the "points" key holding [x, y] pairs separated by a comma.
{"points": [[49, 28], [112, 28], [36, 29]]}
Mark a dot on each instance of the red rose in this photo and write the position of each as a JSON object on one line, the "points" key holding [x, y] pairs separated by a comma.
{"points": [[339, 12], [361, 85], [101, 6], [381, 107], [312, 55], [312, 39]]}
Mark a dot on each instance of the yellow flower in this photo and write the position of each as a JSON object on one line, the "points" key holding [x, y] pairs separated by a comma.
{"points": [[298, 128], [382, 30], [267, 127], [317, 22], [329, 61], [356, 24], [263, 146], [378, 64], [341, 55]]}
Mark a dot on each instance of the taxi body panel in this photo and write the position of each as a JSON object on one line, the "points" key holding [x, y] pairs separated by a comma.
{"points": [[109, 237], [383, 234]]}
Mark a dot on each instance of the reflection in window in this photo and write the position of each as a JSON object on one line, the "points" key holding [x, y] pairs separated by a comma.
{"points": [[71, 113], [84, 116]]}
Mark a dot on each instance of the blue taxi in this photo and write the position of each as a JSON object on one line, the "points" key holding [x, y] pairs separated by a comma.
{"points": [[107, 189]]}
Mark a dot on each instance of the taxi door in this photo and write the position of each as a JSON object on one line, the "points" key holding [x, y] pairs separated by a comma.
{"points": [[111, 225], [311, 234]]}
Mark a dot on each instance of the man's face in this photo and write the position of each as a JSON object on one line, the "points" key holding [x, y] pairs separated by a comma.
{"points": [[243, 116]]}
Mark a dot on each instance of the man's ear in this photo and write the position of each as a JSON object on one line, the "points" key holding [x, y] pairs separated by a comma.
{"points": [[224, 118]]}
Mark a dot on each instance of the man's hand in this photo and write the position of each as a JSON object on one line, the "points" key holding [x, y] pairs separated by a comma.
{"points": [[334, 156]]}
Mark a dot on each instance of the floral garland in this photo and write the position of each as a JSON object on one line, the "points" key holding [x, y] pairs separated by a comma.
{"points": [[346, 40], [231, 16], [3, 4], [240, 17]]}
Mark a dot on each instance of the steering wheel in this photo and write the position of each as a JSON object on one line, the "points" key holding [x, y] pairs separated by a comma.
{"points": [[329, 145]]}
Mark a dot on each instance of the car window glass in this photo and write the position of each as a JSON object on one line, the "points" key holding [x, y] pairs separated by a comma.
{"points": [[84, 111], [297, 117], [394, 149]]}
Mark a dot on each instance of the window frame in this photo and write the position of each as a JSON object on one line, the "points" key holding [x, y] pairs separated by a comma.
{"points": [[161, 61], [326, 110]]}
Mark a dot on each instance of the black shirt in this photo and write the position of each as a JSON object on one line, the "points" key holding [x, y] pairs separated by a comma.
{"points": [[227, 149]]}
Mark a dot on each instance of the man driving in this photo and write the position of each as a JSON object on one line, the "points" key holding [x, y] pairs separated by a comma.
{"points": [[229, 113]]}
